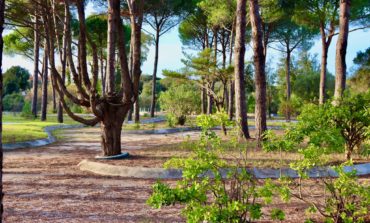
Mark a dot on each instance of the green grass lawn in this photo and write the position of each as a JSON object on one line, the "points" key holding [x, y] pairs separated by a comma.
{"points": [[19, 129]]}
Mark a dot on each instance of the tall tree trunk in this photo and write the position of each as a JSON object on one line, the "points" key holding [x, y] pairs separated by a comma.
{"points": [[324, 61], [259, 65], [36, 46], [2, 8], [210, 98], [340, 56], [231, 99], [154, 80], [232, 82], [102, 72], [137, 111], [130, 112], [44, 90], [240, 102], [204, 100], [288, 87], [54, 96]]}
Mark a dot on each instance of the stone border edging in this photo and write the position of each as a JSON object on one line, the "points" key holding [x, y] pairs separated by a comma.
{"points": [[40, 142], [161, 173]]}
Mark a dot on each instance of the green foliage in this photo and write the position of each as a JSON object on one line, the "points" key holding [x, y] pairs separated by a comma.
{"points": [[277, 214], [329, 128], [19, 42], [359, 82], [293, 107], [212, 190], [181, 100], [13, 102], [16, 79], [171, 120], [349, 200], [26, 110]]}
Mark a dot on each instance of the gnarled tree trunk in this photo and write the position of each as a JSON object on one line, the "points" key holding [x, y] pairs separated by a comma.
{"points": [[111, 127]]}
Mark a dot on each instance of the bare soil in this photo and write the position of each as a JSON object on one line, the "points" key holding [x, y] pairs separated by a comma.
{"points": [[45, 185]]}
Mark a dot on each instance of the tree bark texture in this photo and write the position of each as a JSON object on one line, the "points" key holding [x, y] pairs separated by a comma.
{"points": [[259, 65], [341, 49], [44, 89], [154, 77], [36, 46], [288, 85], [2, 9], [137, 111], [239, 51]]}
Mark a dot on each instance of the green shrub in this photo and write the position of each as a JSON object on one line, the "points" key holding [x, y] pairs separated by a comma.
{"points": [[26, 110], [13, 102], [210, 194], [180, 101], [329, 128]]}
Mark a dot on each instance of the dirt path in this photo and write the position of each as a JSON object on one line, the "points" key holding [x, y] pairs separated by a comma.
{"points": [[45, 185]]}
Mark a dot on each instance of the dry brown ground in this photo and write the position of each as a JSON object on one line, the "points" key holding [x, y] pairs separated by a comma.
{"points": [[45, 185]]}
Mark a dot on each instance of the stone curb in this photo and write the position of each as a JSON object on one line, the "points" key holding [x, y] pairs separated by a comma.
{"points": [[161, 173], [40, 142]]}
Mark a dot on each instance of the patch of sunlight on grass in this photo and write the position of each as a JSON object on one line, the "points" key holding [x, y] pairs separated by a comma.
{"points": [[19, 129]]}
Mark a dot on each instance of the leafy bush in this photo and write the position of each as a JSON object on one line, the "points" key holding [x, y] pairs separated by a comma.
{"points": [[346, 200], [211, 189], [323, 130], [13, 102], [26, 110], [180, 101], [330, 128]]}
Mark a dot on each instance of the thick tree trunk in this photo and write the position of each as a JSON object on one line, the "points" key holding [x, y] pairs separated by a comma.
{"points": [[36, 46], [288, 87], [154, 80], [111, 49], [44, 90], [259, 65], [2, 9], [240, 102], [340, 56], [111, 127]]}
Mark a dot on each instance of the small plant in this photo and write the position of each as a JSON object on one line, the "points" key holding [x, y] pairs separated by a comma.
{"points": [[346, 200], [26, 110], [211, 189], [171, 120]]}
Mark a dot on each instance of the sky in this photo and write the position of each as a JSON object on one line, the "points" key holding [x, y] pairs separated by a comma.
{"points": [[171, 52]]}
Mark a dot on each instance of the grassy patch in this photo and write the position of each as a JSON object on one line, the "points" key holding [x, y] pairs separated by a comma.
{"points": [[19, 129]]}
